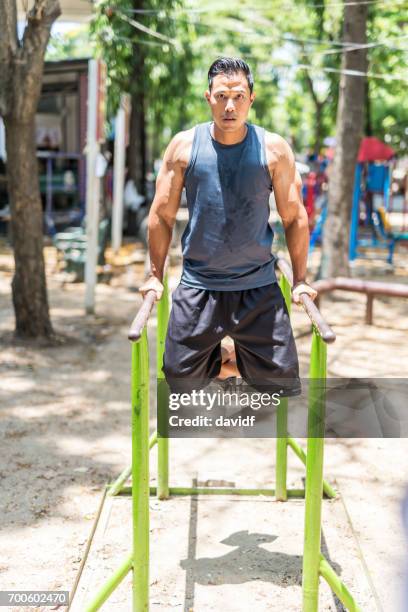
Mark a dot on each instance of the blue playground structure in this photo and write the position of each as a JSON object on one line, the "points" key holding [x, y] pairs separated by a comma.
{"points": [[316, 235], [370, 226], [365, 228]]}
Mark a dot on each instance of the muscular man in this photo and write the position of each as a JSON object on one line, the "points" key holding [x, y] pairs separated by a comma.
{"points": [[228, 285]]}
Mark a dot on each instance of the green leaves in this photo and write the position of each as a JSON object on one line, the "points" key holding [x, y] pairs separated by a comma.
{"points": [[293, 47]]}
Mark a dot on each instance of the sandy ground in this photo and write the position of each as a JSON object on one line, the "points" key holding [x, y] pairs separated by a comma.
{"points": [[65, 432]]}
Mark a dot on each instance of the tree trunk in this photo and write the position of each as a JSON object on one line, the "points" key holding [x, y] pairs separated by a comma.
{"points": [[29, 284], [349, 130], [137, 142], [21, 70], [368, 123]]}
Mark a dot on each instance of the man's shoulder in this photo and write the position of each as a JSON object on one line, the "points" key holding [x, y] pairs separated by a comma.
{"points": [[180, 146], [184, 137], [182, 142], [187, 136], [273, 139], [277, 147]]}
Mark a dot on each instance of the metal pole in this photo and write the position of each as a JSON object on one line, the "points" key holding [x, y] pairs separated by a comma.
{"points": [[299, 452], [140, 473], [314, 476], [119, 175], [338, 586], [116, 487], [49, 186], [282, 450], [92, 189], [282, 420], [162, 395], [355, 214], [110, 586], [298, 493]]}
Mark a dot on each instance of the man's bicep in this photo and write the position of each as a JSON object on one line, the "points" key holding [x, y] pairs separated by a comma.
{"points": [[287, 186], [169, 185]]}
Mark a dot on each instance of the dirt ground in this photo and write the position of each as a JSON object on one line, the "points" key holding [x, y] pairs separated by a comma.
{"points": [[65, 433]]}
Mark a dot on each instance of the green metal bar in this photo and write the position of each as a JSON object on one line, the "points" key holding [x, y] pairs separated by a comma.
{"points": [[231, 491], [110, 585], [281, 464], [140, 473], [298, 450], [338, 586], [162, 396], [117, 485], [286, 291], [219, 491], [153, 440], [282, 450], [314, 477]]}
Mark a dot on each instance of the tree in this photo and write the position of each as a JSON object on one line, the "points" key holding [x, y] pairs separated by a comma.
{"points": [[21, 69], [295, 55], [148, 56], [388, 114], [349, 130]]}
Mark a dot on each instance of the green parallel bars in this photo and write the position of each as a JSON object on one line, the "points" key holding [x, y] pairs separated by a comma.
{"points": [[140, 473], [281, 467], [139, 559], [314, 563], [314, 476], [162, 397]]}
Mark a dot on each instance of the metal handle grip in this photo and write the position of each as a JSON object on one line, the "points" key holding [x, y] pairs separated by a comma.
{"points": [[314, 314], [142, 316]]}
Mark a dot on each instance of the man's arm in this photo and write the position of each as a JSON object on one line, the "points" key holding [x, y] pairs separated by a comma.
{"points": [[165, 205], [287, 186]]}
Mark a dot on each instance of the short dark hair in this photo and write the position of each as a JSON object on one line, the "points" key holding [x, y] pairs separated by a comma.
{"points": [[230, 66]]}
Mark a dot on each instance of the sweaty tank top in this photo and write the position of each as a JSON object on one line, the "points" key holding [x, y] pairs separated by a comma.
{"points": [[227, 242]]}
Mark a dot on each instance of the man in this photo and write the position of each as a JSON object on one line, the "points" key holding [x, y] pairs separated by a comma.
{"points": [[228, 285]]}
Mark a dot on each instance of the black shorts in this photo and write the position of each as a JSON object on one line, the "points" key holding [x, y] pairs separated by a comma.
{"points": [[258, 322]]}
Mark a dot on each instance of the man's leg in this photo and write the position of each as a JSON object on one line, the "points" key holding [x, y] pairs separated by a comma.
{"points": [[229, 361], [264, 342], [192, 355]]}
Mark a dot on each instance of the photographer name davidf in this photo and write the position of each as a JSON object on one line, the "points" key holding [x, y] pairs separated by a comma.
{"points": [[206, 421]]}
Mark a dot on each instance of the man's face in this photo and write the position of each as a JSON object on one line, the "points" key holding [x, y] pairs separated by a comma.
{"points": [[230, 101]]}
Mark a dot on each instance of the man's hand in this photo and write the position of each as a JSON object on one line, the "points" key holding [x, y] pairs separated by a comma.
{"points": [[302, 287], [154, 284]]}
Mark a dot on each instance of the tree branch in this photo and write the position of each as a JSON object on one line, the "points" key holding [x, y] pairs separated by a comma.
{"points": [[310, 85], [309, 82], [29, 62]]}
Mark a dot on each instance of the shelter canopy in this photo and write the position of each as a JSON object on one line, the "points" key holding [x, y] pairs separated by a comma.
{"points": [[373, 149]]}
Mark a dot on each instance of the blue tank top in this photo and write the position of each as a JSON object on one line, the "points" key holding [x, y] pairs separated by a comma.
{"points": [[227, 242]]}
